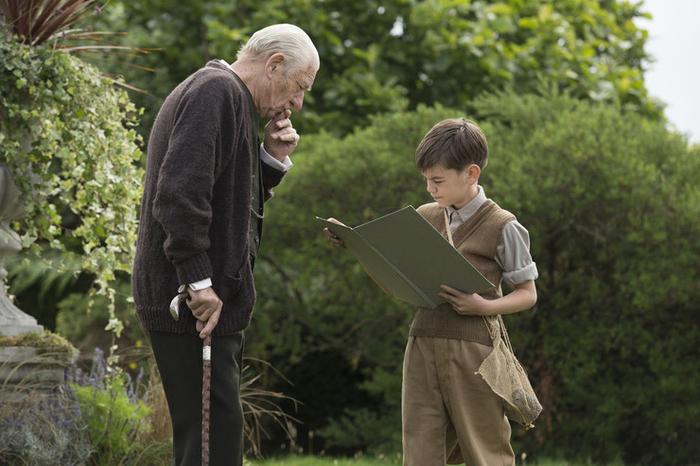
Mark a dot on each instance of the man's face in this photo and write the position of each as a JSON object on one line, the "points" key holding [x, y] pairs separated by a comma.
{"points": [[286, 90], [448, 186]]}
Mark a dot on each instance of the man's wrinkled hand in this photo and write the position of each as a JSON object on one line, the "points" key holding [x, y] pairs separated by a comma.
{"points": [[206, 308], [280, 136]]}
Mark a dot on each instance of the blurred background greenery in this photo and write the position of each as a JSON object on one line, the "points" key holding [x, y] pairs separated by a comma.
{"points": [[578, 151]]}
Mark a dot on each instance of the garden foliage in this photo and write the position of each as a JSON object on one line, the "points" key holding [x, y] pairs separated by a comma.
{"points": [[68, 136], [612, 206]]}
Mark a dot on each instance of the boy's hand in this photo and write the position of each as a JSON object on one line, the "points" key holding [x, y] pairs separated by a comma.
{"points": [[465, 303], [332, 237]]}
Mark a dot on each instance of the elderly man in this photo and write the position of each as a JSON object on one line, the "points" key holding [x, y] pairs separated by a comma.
{"points": [[207, 177]]}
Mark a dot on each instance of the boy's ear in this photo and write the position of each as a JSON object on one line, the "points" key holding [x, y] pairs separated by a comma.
{"points": [[473, 173]]}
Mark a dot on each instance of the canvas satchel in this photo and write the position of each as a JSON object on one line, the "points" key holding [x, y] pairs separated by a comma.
{"points": [[503, 373]]}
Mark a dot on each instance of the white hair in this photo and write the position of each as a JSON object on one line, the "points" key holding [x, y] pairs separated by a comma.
{"points": [[287, 39]]}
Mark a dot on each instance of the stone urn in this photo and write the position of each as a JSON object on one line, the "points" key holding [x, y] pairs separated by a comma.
{"points": [[12, 320]]}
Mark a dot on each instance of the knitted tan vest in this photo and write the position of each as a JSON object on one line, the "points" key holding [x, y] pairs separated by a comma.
{"points": [[476, 239]]}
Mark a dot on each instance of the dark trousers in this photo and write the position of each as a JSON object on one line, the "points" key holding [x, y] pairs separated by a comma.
{"points": [[179, 359]]}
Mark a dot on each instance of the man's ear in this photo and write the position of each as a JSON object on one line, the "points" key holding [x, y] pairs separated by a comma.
{"points": [[273, 63]]}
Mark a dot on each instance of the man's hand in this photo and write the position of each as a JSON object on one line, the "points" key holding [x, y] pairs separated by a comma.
{"points": [[332, 237], [206, 308], [280, 136], [465, 303]]}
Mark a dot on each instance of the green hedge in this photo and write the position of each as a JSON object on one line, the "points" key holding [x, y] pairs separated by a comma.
{"points": [[612, 204]]}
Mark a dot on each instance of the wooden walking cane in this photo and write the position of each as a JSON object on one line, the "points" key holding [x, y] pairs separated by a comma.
{"points": [[206, 398], [206, 379]]}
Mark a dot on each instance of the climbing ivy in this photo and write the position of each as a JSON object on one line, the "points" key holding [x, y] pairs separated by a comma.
{"points": [[68, 136]]}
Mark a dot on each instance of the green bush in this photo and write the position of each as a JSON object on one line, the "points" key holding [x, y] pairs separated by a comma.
{"points": [[68, 136], [612, 204], [84, 323], [100, 417], [114, 421], [385, 56]]}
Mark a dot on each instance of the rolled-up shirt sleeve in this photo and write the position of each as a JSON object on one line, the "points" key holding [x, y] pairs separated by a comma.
{"points": [[513, 255]]}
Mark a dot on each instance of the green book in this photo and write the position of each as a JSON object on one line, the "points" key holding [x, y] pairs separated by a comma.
{"points": [[409, 258]]}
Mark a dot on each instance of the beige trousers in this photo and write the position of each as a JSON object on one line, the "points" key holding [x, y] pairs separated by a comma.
{"points": [[449, 414]]}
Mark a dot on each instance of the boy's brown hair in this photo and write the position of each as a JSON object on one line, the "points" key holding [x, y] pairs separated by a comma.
{"points": [[453, 143]]}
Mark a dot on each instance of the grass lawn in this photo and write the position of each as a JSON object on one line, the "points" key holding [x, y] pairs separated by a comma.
{"points": [[325, 461], [393, 461]]}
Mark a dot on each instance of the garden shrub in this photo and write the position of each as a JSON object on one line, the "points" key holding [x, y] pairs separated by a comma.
{"points": [[67, 135], [612, 204], [115, 416]]}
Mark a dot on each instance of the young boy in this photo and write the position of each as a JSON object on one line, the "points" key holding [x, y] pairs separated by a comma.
{"points": [[449, 414]]}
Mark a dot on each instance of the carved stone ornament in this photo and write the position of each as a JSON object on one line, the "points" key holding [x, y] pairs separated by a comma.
{"points": [[12, 320]]}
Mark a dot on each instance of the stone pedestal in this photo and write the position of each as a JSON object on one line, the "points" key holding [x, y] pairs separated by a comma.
{"points": [[12, 320], [23, 370]]}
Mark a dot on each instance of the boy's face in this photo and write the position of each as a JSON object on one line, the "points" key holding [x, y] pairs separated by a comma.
{"points": [[450, 187]]}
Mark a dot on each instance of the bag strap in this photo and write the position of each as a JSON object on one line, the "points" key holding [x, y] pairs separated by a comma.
{"points": [[504, 332], [492, 333]]}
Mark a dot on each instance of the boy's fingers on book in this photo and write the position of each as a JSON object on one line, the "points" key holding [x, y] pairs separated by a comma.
{"points": [[330, 234], [333, 238]]}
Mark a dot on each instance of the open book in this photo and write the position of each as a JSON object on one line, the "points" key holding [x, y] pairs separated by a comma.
{"points": [[409, 258]]}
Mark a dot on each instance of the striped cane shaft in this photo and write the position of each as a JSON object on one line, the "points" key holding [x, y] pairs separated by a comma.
{"points": [[206, 397]]}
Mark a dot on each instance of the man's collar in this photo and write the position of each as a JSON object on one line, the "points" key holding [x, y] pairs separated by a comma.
{"points": [[221, 64]]}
